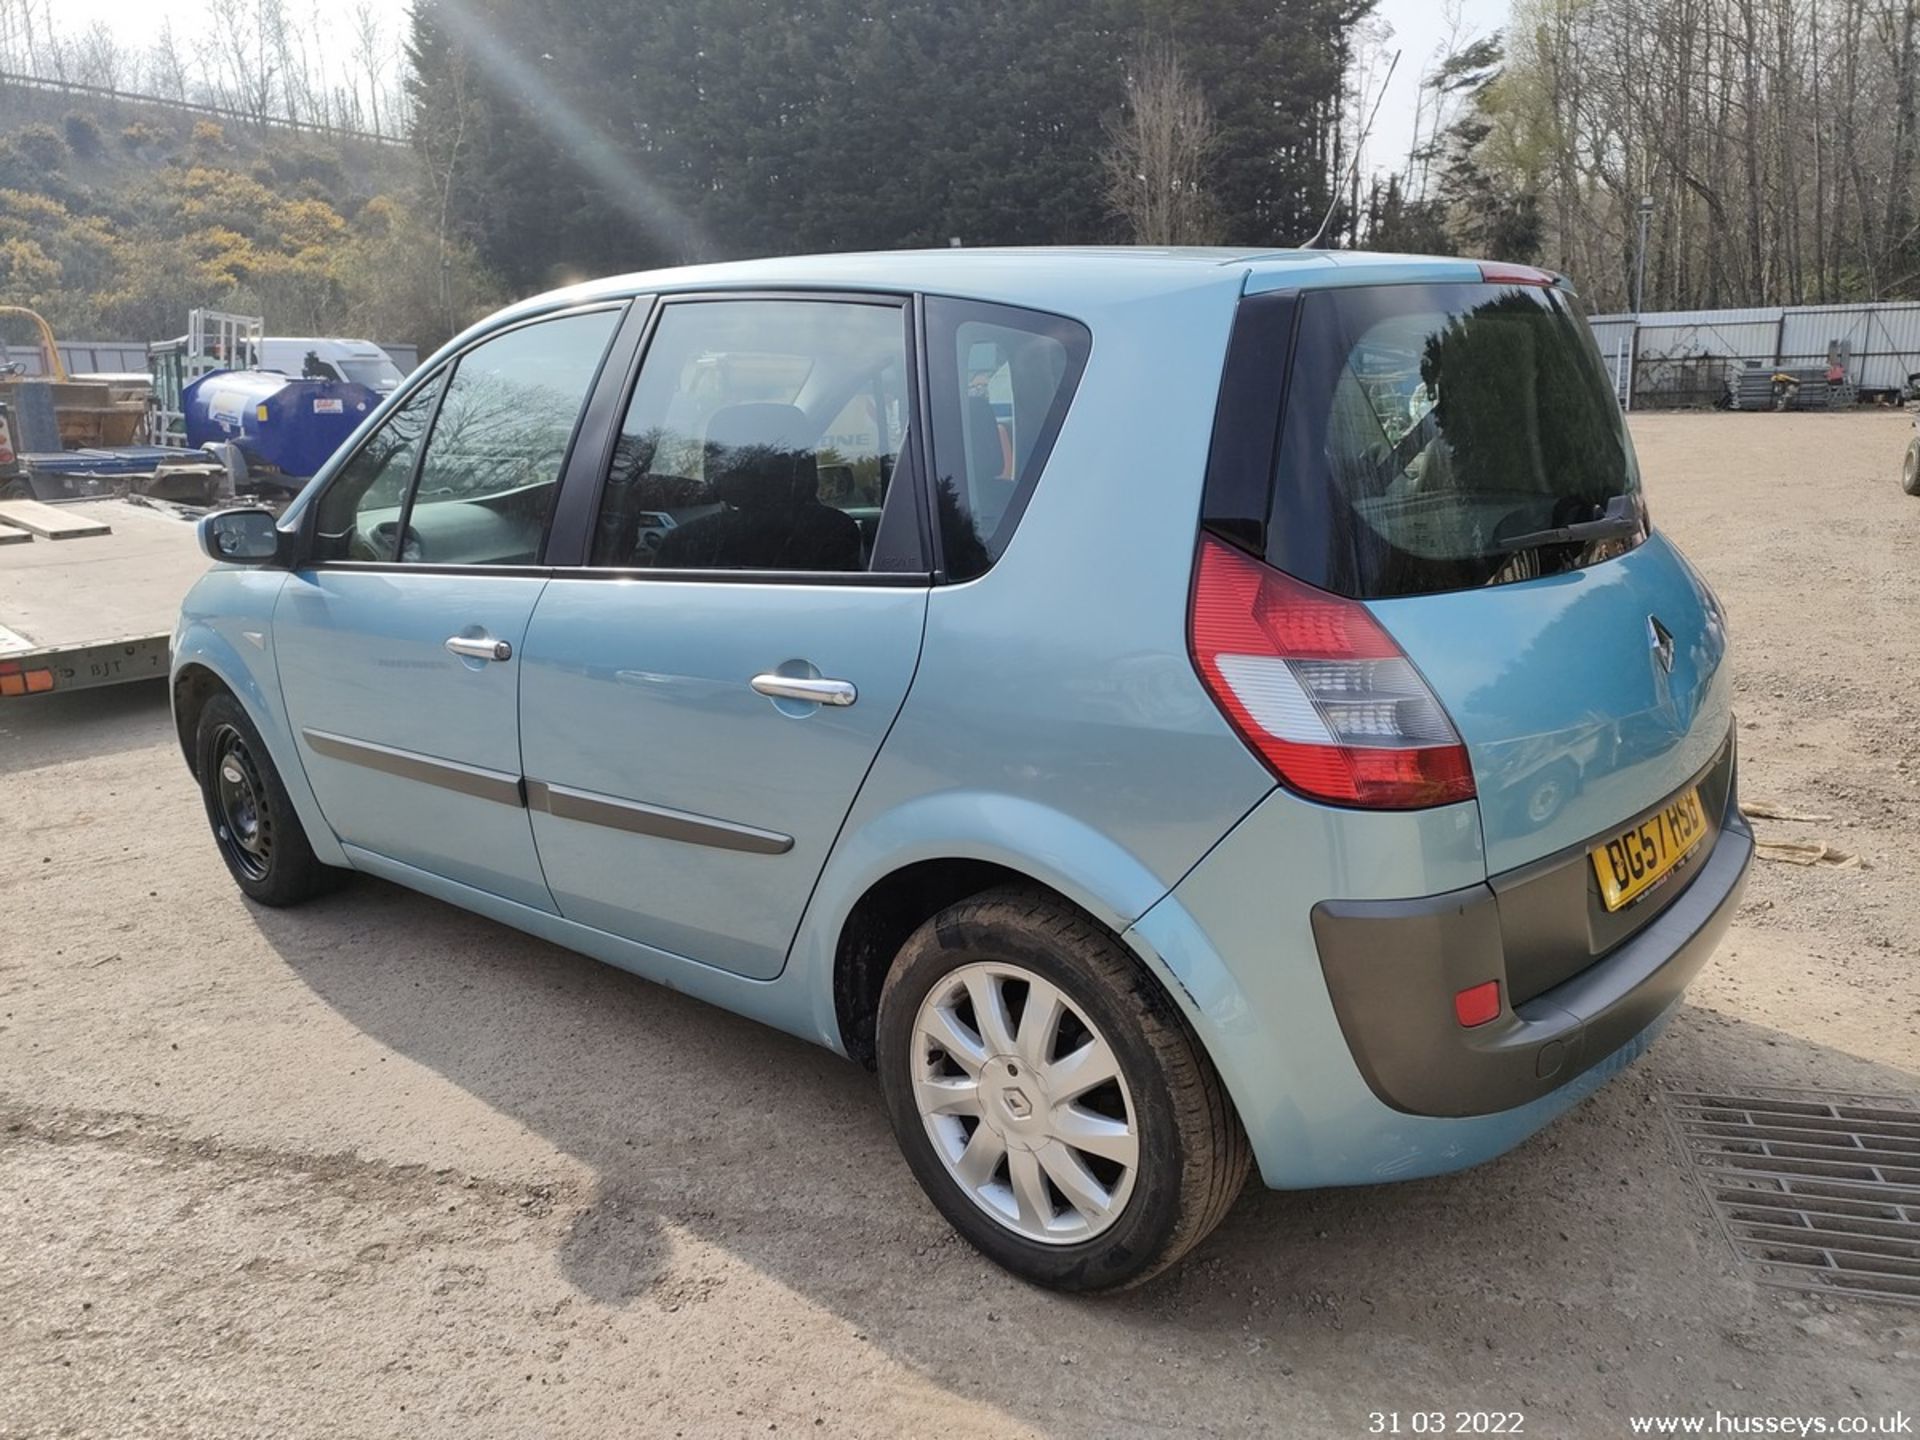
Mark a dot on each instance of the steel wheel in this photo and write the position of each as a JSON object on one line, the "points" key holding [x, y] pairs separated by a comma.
{"points": [[243, 823], [1025, 1103], [1549, 793]]}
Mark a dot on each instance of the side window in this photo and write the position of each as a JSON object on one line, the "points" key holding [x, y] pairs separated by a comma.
{"points": [[493, 462], [763, 435], [359, 513], [1001, 381]]}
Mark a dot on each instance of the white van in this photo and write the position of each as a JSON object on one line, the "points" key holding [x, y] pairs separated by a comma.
{"points": [[321, 358]]}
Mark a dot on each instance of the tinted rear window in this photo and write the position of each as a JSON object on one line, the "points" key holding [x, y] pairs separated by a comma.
{"points": [[1001, 380], [1427, 427]]}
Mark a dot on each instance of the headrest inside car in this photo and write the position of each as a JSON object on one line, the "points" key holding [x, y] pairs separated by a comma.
{"points": [[761, 455]]}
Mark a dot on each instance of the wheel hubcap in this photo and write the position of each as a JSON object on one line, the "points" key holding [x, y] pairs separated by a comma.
{"points": [[241, 821], [1025, 1103]]}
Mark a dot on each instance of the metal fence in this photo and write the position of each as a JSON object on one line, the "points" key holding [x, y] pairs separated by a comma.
{"points": [[1686, 357], [196, 107], [128, 357]]}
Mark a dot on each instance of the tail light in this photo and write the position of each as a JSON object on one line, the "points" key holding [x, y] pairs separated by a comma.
{"points": [[1319, 690]]}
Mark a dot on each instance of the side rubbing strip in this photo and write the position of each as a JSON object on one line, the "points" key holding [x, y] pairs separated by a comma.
{"points": [[641, 819], [472, 780]]}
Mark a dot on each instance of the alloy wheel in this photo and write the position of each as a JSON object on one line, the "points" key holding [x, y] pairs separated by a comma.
{"points": [[1025, 1102]]}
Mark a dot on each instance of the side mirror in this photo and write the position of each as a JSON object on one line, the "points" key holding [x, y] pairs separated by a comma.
{"points": [[249, 536]]}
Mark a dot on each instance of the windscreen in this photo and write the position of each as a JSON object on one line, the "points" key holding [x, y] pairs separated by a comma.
{"points": [[381, 374], [1437, 436]]}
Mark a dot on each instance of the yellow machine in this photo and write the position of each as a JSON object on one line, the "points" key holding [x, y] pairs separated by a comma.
{"points": [[90, 413]]}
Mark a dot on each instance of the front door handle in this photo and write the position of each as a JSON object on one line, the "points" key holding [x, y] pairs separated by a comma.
{"points": [[479, 647], [815, 692]]}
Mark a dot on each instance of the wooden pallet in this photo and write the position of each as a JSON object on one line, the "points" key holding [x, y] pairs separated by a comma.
{"points": [[49, 522], [11, 536]]}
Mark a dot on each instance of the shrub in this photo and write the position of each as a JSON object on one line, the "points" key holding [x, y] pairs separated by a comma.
{"points": [[209, 136], [42, 146], [138, 134], [322, 173], [83, 135]]}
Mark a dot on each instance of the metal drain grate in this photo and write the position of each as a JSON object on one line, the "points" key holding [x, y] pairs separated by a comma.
{"points": [[1820, 1192]]}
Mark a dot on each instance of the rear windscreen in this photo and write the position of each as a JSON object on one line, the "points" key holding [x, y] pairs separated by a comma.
{"points": [[1436, 435]]}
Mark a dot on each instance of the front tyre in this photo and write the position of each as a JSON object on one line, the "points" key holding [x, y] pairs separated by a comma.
{"points": [[254, 824], [1049, 1097], [1910, 468]]}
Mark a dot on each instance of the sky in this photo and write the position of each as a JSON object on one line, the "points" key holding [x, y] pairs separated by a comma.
{"points": [[1418, 27]]}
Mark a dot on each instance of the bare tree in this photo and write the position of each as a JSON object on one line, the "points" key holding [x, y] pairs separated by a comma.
{"points": [[1777, 140], [444, 135], [97, 58], [1157, 153], [370, 51], [167, 69]]}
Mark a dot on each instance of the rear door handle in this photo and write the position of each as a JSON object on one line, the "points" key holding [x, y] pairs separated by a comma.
{"points": [[815, 692], [479, 647]]}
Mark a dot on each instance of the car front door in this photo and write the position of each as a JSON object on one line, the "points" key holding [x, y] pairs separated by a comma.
{"points": [[702, 699], [399, 638]]}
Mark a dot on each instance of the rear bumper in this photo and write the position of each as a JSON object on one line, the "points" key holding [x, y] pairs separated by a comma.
{"points": [[1392, 968], [1235, 945]]}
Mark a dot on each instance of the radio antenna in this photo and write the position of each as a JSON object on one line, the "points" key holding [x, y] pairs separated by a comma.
{"points": [[1359, 149]]}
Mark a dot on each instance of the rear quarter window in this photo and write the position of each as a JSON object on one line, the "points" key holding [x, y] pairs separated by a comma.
{"points": [[1429, 428], [1001, 379]]}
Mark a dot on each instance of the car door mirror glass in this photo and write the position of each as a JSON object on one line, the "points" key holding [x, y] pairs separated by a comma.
{"points": [[248, 536]]}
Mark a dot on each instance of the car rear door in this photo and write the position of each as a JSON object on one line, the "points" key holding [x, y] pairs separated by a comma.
{"points": [[399, 638], [1453, 455], [703, 697]]}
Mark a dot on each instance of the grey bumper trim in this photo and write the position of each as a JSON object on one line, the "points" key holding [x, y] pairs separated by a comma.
{"points": [[1394, 966]]}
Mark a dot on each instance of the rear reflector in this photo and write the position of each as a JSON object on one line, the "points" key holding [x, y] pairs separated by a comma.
{"points": [[1319, 690], [1477, 1004]]}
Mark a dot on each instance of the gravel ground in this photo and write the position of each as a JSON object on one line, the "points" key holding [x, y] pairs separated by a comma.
{"points": [[378, 1167]]}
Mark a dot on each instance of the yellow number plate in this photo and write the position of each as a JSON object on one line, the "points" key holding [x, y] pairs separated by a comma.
{"points": [[1636, 860]]}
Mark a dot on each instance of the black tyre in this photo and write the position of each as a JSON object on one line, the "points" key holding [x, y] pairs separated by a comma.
{"points": [[1910, 468], [254, 824], [1049, 1096]]}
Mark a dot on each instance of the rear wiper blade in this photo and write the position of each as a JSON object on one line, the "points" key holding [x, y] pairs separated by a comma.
{"points": [[1618, 523]]}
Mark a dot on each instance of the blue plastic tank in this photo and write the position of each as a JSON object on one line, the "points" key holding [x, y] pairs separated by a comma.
{"points": [[287, 425]]}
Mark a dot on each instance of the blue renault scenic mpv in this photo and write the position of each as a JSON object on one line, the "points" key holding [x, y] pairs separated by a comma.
{"points": [[1163, 710]]}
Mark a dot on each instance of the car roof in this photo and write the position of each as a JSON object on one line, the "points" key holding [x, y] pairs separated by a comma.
{"points": [[364, 347], [1072, 280]]}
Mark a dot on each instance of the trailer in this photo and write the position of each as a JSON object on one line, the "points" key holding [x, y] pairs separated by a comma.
{"points": [[227, 391], [90, 591], [54, 410], [182, 476], [215, 340]]}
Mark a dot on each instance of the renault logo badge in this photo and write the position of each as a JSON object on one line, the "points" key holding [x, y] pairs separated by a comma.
{"points": [[1660, 641]]}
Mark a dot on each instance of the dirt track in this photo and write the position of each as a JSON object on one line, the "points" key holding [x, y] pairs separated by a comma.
{"points": [[377, 1167]]}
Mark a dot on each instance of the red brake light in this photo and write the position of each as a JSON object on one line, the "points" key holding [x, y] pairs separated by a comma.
{"points": [[1319, 690], [1515, 275]]}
